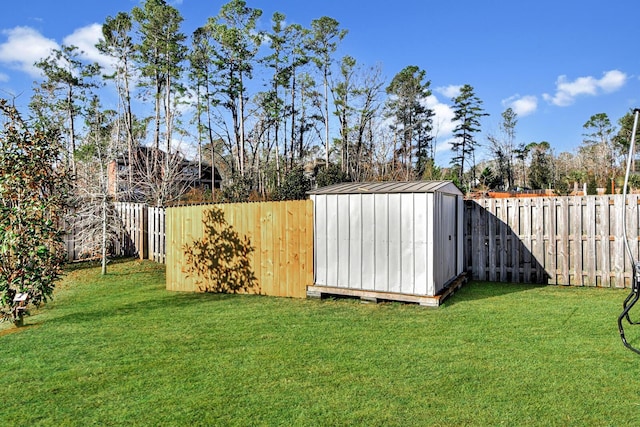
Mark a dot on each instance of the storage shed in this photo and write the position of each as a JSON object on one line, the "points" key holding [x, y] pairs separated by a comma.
{"points": [[387, 240]]}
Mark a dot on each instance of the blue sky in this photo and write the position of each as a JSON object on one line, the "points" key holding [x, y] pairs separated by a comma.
{"points": [[555, 62]]}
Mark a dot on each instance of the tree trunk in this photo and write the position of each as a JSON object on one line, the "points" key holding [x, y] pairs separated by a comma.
{"points": [[103, 270], [326, 114], [241, 118]]}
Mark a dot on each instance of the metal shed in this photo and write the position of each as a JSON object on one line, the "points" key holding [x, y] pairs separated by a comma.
{"points": [[387, 240]]}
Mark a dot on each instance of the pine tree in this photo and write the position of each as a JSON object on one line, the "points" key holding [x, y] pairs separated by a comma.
{"points": [[467, 113], [323, 42], [235, 49], [412, 120], [68, 82]]}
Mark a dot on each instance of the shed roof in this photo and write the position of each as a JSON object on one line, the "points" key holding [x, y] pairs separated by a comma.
{"points": [[389, 187]]}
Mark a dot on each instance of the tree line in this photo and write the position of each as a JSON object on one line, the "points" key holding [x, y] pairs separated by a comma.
{"points": [[275, 111], [598, 163], [269, 110]]}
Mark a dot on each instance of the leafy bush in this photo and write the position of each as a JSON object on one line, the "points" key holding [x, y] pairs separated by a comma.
{"points": [[331, 175], [238, 190], [32, 198], [294, 187]]}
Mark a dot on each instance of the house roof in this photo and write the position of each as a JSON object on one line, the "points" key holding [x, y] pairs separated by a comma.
{"points": [[389, 187]]}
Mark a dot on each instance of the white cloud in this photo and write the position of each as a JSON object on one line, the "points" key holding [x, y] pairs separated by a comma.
{"points": [[568, 91], [450, 91], [612, 81], [85, 39], [521, 105], [442, 124], [4, 78], [24, 47]]}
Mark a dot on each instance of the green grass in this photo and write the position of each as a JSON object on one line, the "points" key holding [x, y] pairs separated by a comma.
{"points": [[120, 350]]}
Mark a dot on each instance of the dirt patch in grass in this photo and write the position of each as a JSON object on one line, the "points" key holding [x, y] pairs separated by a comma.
{"points": [[15, 329]]}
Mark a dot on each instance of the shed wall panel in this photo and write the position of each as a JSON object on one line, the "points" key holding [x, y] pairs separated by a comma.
{"points": [[332, 240], [460, 236], [395, 243], [407, 249], [343, 239], [320, 240], [420, 243], [368, 241], [355, 241], [381, 243], [430, 244]]}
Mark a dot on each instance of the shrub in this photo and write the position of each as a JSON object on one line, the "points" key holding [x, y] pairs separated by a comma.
{"points": [[294, 186], [33, 181]]}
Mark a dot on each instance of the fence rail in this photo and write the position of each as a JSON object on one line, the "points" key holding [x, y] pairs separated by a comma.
{"points": [[556, 240]]}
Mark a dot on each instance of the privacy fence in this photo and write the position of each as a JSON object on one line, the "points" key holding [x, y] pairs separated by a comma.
{"points": [[555, 240]]}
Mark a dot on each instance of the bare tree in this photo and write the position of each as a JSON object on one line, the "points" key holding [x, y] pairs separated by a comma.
{"points": [[95, 218]]}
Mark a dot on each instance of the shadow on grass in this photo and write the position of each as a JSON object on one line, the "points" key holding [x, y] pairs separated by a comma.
{"points": [[174, 302], [479, 290], [89, 264]]}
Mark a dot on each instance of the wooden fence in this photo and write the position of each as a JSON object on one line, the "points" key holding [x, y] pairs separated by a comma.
{"points": [[281, 234], [556, 240], [141, 233], [156, 234]]}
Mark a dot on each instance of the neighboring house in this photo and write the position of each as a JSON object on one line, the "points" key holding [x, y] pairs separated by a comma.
{"points": [[154, 170]]}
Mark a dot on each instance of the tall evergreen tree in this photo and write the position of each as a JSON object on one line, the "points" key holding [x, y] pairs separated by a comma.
{"points": [[343, 91], [161, 55], [68, 82], [467, 113], [622, 138], [412, 120], [201, 76], [117, 43], [504, 149], [541, 169], [323, 42], [236, 47], [272, 102], [597, 150]]}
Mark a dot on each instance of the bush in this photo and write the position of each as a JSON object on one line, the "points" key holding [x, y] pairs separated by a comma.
{"points": [[238, 190], [33, 185], [330, 175], [294, 186]]}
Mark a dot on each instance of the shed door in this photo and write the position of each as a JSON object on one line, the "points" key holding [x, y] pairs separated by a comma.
{"points": [[450, 235]]}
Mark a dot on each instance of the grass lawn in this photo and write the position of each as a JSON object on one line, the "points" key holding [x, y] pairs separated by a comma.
{"points": [[121, 350]]}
